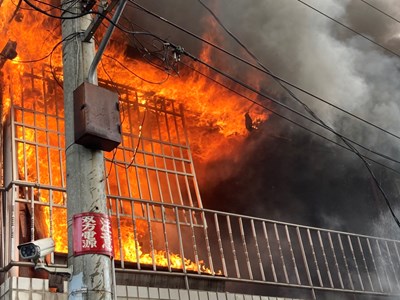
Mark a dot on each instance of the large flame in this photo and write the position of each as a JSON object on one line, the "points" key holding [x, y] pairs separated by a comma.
{"points": [[215, 115]]}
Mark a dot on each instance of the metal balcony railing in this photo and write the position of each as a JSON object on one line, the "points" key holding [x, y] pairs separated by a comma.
{"points": [[246, 249], [159, 224]]}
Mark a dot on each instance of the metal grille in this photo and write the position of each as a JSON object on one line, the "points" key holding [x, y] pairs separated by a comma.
{"points": [[159, 224]]}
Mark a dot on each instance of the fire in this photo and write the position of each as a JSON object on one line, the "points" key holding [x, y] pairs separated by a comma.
{"points": [[215, 115]]}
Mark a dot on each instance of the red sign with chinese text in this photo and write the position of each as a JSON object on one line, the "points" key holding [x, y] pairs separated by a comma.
{"points": [[92, 234]]}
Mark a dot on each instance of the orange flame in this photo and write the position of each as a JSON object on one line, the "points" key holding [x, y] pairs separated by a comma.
{"points": [[215, 116]]}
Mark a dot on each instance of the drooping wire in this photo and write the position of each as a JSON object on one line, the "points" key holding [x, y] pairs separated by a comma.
{"points": [[283, 105], [67, 38], [349, 28], [263, 70], [133, 73], [135, 150], [381, 11], [286, 118], [314, 115], [311, 120]]}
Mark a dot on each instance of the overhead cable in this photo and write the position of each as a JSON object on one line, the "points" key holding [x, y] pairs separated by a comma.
{"points": [[288, 119], [349, 28], [315, 116], [266, 72], [381, 11]]}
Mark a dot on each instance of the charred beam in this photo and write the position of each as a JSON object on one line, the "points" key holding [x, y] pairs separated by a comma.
{"points": [[9, 52]]}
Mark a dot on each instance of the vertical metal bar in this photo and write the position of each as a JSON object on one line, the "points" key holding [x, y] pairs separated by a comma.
{"points": [[150, 236], [173, 161], [60, 151], [13, 231], [355, 262], [246, 252], [196, 255], [181, 155], [345, 260], [133, 143], [228, 221], [314, 257], [24, 147], [260, 263], [374, 264], [305, 261], [50, 171], [181, 159], [50, 207], [126, 169], [281, 253], [269, 252], [156, 169], [391, 263], [163, 219], [121, 248], [335, 260], [296, 271], [221, 248], [32, 203], [196, 186], [383, 263], [135, 235], [146, 167], [124, 147], [14, 148], [365, 263], [36, 147], [49, 168], [60, 148], [205, 228], [163, 158], [181, 250], [51, 212], [321, 243], [118, 182]]}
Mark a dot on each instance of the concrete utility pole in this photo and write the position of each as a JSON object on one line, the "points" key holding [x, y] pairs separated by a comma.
{"points": [[92, 273]]}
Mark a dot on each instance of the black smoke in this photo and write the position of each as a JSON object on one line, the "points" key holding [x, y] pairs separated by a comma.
{"points": [[282, 171]]}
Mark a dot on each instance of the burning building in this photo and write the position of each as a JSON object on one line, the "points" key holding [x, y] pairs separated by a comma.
{"points": [[167, 245]]}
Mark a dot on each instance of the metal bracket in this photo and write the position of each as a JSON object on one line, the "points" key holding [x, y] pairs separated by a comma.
{"points": [[67, 272], [104, 10]]}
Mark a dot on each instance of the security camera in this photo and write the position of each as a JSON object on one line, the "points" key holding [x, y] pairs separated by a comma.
{"points": [[36, 249]]}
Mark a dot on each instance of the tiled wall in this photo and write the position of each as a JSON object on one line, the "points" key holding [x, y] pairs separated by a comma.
{"points": [[21, 288]]}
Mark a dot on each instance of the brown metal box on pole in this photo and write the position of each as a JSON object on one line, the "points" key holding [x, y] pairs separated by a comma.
{"points": [[96, 117]]}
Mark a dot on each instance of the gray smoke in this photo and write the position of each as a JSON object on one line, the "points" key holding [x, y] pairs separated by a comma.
{"points": [[286, 172]]}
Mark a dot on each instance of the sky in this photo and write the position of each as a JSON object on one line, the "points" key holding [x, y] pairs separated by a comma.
{"points": [[282, 171]]}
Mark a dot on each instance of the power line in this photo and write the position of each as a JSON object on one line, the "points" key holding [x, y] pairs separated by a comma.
{"points": [[272, 99], [314, 115], [288, 119], [320, 121], [381, 11], [349, 28], [265, 107], [264, 71], [344, 139], [133, 73], [67, 38], [278, 102], [252, 55]]}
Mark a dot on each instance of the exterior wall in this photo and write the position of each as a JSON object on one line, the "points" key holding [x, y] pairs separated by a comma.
{"points": [[22, 288]]}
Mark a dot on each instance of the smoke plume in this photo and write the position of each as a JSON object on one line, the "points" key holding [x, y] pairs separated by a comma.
{"points": [[283, 171]]}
